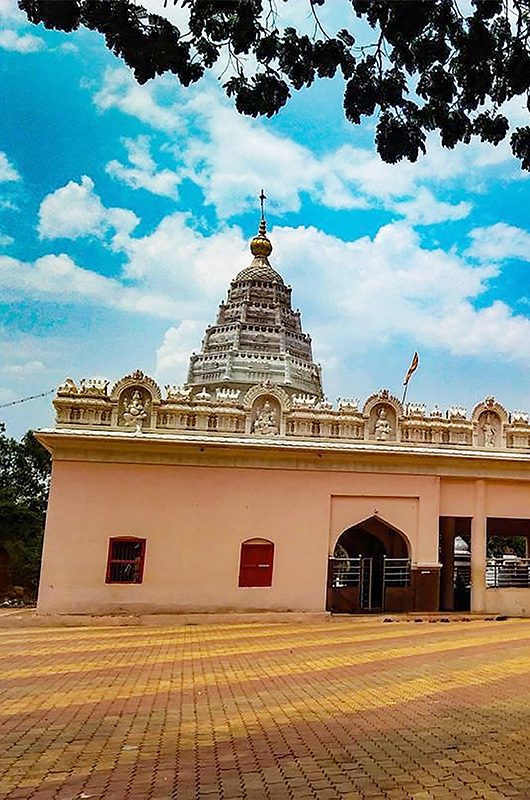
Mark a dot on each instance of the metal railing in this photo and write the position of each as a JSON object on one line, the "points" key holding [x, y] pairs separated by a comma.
{"points": [[507, 571], [396, 571], [345, 572], [349, 571]]}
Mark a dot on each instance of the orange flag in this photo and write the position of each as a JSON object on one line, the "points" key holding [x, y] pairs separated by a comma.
{"points": [[413, 367]]}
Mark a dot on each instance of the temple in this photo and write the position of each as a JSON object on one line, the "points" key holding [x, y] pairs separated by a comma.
{"points": [[257, 336], [245, 489]]}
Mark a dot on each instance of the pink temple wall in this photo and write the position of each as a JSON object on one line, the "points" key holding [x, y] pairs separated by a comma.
{"points": [[195, 518]]}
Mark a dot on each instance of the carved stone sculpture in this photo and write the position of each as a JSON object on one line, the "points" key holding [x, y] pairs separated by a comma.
{"points": [[348, 404], [135, 411], [227, 394], [96, 387], [382, 427], [489, 432], [305, 400], [266, 422], [178, 392], [68, 387]]}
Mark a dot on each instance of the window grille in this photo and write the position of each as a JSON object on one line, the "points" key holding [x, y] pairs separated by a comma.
{"points": [[125, 563]]}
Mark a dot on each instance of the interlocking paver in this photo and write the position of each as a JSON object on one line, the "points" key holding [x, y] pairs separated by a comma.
{"points": [[343, 709]]}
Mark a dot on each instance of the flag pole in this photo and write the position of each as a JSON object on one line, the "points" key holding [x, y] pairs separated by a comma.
{"points": [[413, 367]]}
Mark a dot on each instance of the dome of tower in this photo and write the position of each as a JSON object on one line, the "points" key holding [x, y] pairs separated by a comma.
{"points": [[260, 269]]}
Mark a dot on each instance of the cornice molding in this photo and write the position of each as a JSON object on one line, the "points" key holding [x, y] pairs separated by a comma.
{"points": [[281, 453]]}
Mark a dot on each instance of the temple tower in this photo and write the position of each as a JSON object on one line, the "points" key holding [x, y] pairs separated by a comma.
{"points": [[257, 336]]}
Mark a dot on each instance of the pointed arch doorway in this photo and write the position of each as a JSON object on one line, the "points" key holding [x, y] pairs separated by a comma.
{"points": [[369, 570]]}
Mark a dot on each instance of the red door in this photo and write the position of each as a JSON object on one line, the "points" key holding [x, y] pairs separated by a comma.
{"points": [[255, 567]]}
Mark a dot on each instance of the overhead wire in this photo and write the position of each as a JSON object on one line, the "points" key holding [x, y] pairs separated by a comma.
{"points": [[25, 399]]}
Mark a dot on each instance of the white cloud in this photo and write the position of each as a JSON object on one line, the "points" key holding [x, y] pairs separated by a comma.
{"points": [[58, 278], [173, 355], [425, 209], [68, 47], [20, 42], [7, 205], [8, 172], [24, 370], [491, 332], [75, 210], [238, 156], [120, 90], [373, 293], [392, 287], [174, 260], [231, 156], [179, 259], [143, 174], [499, 242]]}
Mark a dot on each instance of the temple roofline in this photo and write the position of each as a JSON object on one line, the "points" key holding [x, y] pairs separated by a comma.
{"points": [[136, 404]]}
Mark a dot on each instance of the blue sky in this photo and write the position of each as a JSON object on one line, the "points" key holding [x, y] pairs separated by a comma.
{"points": [[126, 210]]}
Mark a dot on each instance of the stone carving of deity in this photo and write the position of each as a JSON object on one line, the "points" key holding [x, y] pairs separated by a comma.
{"points": [[382, 426], [135, 411], [266, 423], [68, 387], [489, 431]]}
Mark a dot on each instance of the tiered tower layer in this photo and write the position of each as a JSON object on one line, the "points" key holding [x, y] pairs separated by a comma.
{"points": [[257, 336]]}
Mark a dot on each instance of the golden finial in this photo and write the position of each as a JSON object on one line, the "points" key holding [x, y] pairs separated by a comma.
{"points": [[260, 244]]}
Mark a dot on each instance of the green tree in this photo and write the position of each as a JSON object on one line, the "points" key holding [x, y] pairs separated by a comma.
{"points": [[499, 546], [429, 67], [24, 483]]}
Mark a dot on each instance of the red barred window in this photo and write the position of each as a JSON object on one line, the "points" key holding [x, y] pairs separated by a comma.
{"points": [[256, 562], [125, 563]]}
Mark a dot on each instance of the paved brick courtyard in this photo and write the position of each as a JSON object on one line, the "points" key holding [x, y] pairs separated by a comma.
{"points": [[341, 709]]}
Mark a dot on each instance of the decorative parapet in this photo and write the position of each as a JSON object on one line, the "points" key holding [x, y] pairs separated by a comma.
{"points": [[348, 404], [178, 393], [95, 387], [227, 395], [305, 401], [136, 404], [415, 409]]}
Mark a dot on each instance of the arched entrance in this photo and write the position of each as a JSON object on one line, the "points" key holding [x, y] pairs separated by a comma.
{"points": [[369, 569]]}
